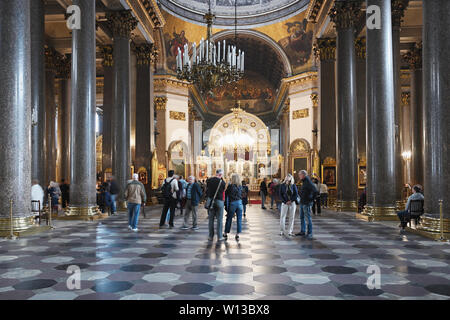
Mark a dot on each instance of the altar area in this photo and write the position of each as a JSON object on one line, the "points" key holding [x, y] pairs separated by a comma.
{"points": [[240, 143]]}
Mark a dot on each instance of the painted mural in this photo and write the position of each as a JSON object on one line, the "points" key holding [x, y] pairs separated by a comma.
{"points": [[294, 35], [255, 94], [298, 43]]}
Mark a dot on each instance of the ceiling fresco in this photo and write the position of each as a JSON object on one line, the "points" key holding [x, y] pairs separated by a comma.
{"points": [[293, 35], [249, 12]]}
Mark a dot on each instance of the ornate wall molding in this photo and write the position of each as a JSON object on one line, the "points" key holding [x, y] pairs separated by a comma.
{"points": [[107, 55], [160, 103], [346, 14], [313, 10], [325, 49], [398, 11], [121, 23]]}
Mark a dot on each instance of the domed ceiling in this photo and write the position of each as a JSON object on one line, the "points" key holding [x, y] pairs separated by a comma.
{"points": [[250, 12]]}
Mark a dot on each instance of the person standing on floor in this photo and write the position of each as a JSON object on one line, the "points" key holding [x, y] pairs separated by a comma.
{"points": [[193, 197], [244, 197], [263, 192], [307, 195], [169, 191], [316, 202], [324, 195], [113, 191], [288, 195], [65, 193], [135, 196], [215, 187], [233, 198]]}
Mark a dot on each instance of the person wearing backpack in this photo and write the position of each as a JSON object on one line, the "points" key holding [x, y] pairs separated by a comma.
{"points": [[308, 194], [233, 198], [169, 191]]}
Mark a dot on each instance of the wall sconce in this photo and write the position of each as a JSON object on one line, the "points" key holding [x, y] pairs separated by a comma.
{"points": [[406, 155]]}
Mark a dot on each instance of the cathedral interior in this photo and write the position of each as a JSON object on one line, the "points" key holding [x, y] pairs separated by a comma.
{"points": [[95, 89]]}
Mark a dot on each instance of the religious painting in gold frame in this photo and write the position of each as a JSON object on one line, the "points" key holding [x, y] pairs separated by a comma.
{"points": [[298, 164], [362, 176], [108, 174], [329, 176], [143, 175]]}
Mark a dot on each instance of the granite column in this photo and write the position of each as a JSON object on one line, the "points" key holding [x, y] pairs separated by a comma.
{"points": [[15, 124], [83, 109], [345, 15]]}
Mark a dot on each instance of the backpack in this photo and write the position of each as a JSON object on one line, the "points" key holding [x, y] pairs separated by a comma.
{"points": [[167, 189]]}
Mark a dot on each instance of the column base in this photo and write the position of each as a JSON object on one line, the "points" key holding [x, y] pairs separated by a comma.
{"points": [[332, 203], [371, 213], [82, 213], [20, 225], [430, 227], [347, 206]]}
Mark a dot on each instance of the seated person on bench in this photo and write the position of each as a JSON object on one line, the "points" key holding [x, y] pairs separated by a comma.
{"points": [[404, 215]]}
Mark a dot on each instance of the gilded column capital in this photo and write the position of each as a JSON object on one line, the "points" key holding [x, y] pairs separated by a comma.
{"points": [[146, 53], [346, 14], [360, 48], [406, 96], [52, 58], [121, 23], [64, 67], [414, 57], [160, 103], [315, 99], [398, 11], [325, 48], [287, 106], [107, 55]]}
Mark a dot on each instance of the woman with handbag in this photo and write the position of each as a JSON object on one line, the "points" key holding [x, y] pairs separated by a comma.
{"points": [[215, 187], [289, 198], [233, 198]]}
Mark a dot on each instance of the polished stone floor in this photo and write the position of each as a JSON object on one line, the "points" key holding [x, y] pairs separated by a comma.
{"points": [[116, 263]]}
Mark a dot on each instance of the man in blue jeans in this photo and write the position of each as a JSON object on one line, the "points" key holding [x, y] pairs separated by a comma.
{"points": [[307, 195], [135, 196]]}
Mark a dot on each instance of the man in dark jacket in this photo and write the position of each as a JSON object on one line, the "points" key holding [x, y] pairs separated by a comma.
{"points": [[263, 192], [113, 191], [64, 187], [307, 195], [193, 197]]}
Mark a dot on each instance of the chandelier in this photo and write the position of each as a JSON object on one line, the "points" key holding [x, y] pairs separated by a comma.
{"points": [[237, 139], [212, 64]]}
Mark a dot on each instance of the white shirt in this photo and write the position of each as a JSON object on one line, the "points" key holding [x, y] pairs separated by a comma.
{"points": [[323, 188], [37, 194]]}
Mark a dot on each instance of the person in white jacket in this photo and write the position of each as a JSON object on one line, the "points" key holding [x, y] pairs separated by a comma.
{"points": [[37, 194]]}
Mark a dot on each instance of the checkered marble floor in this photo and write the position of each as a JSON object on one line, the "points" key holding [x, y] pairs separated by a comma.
{"points": [[116, 263]]}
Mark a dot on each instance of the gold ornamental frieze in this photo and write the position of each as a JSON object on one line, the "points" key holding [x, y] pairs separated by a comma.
{"points": [[299, 114], [175, 115]]}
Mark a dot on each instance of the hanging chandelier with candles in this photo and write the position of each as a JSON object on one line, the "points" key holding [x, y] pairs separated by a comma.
{"points": [[237, 139], [212, 64]]}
